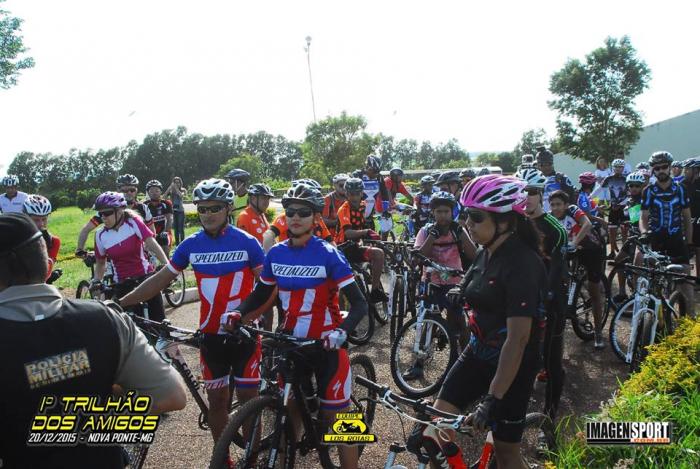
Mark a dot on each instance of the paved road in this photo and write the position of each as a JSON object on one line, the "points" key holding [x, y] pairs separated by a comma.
{"points": [[591, 378]]}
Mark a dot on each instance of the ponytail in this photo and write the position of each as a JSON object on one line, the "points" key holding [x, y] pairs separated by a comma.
{"points": [[523, 228]]}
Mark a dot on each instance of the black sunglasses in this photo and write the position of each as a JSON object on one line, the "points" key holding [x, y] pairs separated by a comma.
{"points": [[532, 191], [129, 190], [475, 215], [661, 167], [638, 186], [302, 212], [212, 209], [105, 213]]}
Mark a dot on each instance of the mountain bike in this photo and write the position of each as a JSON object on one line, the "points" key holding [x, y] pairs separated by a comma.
{"points": [[538, 437], [273, 441], [175, 292], [651, 312], [425, 348], [387, 225], [579, 305], [88, 290]]}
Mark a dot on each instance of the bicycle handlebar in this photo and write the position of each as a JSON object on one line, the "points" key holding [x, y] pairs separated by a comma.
{"points": [[662, 272], [439, 267]]}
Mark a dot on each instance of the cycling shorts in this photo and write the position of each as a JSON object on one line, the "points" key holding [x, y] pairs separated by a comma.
{"points": [[219, 356], [156, 310], [331, 370], [674, 246], [593, 259], [355, 253], [469, 379], [617, 217]]}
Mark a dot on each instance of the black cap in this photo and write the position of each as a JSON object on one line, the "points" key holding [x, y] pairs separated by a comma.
{"points": [[16, 230]]}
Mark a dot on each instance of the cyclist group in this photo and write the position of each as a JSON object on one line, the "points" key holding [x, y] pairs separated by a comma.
{"points": [[511, 234]]}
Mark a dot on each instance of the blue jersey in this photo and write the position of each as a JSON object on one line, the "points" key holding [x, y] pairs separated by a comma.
{"points": [[665, 207], [308, 279], [678, 179], [223, 267], [587, 204]]}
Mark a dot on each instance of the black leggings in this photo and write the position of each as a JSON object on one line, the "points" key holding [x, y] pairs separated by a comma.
{"points": [[156, 311], [553, 354]]}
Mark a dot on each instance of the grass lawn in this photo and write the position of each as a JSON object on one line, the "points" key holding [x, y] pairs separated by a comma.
{"points": [[66, 224]]}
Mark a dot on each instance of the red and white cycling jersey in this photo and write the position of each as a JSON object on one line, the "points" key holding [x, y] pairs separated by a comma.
{"points": [[124, 247], [308, 279]]}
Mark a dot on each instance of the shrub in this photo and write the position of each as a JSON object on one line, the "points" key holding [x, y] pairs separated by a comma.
{"points": [[86, 198], [60, 199]]}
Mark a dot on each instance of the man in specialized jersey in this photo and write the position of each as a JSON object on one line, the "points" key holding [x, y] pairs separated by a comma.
{"points": [[127, 184], [226, 262]]}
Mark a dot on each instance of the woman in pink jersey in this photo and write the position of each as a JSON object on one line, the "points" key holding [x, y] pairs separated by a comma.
{"points": [[123, 240]]}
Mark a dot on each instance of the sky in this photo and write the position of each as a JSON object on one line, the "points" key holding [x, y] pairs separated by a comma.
{"points": [[111, 71]]}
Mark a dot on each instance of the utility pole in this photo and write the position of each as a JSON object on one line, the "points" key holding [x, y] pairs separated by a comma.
{"points": [[311, 83]]}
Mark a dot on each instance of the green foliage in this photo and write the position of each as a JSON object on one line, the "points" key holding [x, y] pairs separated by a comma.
{"points": [[12, 49], [595, 100], [86, 198], [530, 140], [508, 161], [667, 388], [245, 161]]}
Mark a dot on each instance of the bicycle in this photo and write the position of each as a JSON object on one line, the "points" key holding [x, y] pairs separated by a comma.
{"points": [[272, 441], [386, 223], [425, 341], [175, 292], [86, 289], [538, 437], [579, 305], [650, 312]]}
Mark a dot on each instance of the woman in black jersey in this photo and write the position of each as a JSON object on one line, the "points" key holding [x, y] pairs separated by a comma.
{"points": [[505, 288]]}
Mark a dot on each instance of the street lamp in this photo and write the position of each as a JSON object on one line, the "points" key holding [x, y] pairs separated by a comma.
{"points": [[311, 83]]}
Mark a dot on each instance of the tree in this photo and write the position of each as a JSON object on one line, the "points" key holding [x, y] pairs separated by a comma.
{"points": [[11, 50], [532, 139], [336, 145], [595, 100], [246, 161]]}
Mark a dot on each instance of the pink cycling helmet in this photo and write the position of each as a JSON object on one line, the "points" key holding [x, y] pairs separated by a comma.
{"points": [[586, 178], [110, 200], [495, 193]]}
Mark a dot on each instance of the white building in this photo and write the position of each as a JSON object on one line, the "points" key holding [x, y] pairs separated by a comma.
{"points": [[679, 135]]}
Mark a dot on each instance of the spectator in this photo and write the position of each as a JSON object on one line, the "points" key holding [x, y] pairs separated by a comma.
{"points": [[602, 170], [39, 325], [176, 191]]}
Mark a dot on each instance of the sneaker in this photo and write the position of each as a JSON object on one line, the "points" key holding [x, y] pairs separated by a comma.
{"points": [[378, 296], [599, 342], [413, 373], [542, 376]]}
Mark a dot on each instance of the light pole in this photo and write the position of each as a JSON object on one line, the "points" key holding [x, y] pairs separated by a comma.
{"points": [[311, 83]]}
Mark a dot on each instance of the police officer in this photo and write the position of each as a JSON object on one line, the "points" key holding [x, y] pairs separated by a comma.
{"points": [[40, 332]]}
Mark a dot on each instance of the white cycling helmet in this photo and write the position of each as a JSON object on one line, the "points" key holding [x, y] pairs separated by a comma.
{"points": [[10, 180], [37, 205], [213, 189], [618, 162], [532, 177], [636, 177]]}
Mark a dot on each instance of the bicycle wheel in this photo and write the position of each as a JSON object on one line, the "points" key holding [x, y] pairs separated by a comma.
{"points": [[642, 341], [539, 439], [621, 329], [431, 350], [620, 280], [398, 308], [378, 310], [83, 290], [582, 321], [261, 412], [135, 455], [175, 292], [679, 304]]}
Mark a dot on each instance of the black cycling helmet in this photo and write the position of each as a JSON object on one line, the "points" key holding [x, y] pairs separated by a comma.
{"points": [[447, 177], [374, 162], [154, 183], [467, 173], [396, 172], [260, 189], [692, 162], [442, 198], [660, 157], [643, 165], [427, 180], [677, 164], [127, 180], [354, 185], [544, 156], [484, 172], [304, 194], [237, 174]]}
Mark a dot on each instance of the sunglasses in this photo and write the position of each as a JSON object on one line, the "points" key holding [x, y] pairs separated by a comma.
{"points": [[302, 212], [661, 167], [532, 191], [475, 215], [105, 213], [129, 190], [212, 209], [634, 186]]}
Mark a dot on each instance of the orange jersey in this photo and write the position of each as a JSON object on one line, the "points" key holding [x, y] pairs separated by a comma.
{"points": [[279, 227], [349, 218], [252, 223]]}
